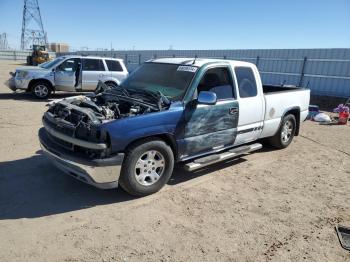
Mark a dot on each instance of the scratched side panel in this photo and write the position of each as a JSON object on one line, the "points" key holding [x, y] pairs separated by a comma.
{"points": [[208, 126], [205, 142]]}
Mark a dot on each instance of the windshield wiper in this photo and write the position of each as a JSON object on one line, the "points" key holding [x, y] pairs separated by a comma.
{"points": [[102, 87], [158, 96]]}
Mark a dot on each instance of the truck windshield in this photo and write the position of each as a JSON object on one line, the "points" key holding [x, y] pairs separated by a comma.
{"points": [[52, 63], [171, 80]]}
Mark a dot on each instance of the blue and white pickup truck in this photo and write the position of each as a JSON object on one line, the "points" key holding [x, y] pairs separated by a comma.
{"points": [[194, 112]]}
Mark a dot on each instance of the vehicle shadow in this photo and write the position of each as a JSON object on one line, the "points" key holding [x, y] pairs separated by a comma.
{"points": [[33, 187], [180, 175], [25, 96]]}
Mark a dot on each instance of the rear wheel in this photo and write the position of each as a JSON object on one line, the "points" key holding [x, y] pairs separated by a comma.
{"points": [[285, 133], [41, 90], [147, 167]]}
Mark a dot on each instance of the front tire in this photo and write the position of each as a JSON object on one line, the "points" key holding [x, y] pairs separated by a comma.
{"points": [[285, 133], [41, 90], [147, 167]]}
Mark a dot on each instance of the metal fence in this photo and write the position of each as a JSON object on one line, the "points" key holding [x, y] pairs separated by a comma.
{"points": [[324, 71], [18, 55]]}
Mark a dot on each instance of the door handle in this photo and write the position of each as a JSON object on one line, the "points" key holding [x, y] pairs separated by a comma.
{"points": [[233, 110]]}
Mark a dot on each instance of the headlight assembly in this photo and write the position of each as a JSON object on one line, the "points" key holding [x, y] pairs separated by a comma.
{"points": [[22, 74]]}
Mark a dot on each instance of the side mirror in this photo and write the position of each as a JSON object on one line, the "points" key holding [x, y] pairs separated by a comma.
{"points": [[53, 70], [207, 98]]}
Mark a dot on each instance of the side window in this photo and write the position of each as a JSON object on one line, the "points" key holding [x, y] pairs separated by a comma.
{"points": [[70, 65], [93, 65], [114, 66], [219, 81], [246, 82]]}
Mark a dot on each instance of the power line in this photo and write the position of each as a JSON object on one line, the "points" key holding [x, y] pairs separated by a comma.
{"points": [[32, 25], [3, 41]]}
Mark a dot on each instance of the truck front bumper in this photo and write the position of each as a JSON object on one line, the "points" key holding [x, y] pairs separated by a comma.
{"points": [[101, 173]]}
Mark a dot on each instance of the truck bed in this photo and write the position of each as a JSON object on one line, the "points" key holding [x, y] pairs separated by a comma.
{"points": [[277, 88], [280, 99]]}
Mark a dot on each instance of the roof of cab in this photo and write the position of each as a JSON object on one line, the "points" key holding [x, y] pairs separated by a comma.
{"points": [[195, 62], [93, 57]]}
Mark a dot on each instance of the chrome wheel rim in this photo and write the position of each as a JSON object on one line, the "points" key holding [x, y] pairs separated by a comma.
{"points": [[149, 167], [287, 131], [41, 90]]}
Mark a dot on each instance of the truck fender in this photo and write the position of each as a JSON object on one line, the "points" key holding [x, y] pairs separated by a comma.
{"points": [[294, 110]]}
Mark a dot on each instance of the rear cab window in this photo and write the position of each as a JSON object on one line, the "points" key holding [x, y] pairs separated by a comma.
{"points": [[246, 82], [113, 65], [93, 65]]}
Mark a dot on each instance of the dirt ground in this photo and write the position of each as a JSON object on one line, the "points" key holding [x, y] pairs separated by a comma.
{"points": [[268, 206]]}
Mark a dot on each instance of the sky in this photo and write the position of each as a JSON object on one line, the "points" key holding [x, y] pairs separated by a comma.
{"points": [[186, 24]]}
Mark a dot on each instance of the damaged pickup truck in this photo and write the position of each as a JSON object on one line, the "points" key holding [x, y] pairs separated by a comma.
{"points": [[190, 111]]}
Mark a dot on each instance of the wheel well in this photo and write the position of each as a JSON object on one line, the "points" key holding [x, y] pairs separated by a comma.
{"points": [[112, 82], [296, 113], [168, 139], [34, 81]]}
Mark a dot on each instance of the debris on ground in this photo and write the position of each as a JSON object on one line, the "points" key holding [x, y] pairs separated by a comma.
{"points": [[322, 117], [343, 112]]}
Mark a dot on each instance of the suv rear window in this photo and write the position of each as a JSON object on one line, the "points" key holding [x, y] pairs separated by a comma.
{"points": [[114, 66], [93, 65]]}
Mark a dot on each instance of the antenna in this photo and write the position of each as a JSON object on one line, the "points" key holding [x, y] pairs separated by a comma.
{"points": [[194, 61], [32, 25]]}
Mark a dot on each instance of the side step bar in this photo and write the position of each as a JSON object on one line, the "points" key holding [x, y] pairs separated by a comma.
{"points": [[211, 159]]}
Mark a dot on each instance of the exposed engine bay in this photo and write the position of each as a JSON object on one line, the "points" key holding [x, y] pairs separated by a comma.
{"points": [[81, 116], [105, 104]]}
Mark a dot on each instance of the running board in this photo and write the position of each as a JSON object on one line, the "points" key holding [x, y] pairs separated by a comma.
{"points": [[211, 159]]}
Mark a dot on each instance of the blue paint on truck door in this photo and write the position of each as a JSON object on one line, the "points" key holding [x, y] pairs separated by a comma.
{"points": [[211, 127]]}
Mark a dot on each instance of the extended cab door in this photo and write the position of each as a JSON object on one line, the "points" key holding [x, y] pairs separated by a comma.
{"points": [[251, 104], [93, 70], [66, 74], [210, 128]]}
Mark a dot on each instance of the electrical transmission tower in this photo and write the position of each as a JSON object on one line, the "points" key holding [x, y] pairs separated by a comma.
{"points": [[3, 41], [32, 25]]}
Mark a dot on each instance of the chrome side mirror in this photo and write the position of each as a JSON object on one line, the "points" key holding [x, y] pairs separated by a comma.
{"points": [[207, 98]]}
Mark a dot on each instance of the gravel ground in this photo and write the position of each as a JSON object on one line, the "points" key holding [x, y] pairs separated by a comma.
{"points": [[268, 206]]}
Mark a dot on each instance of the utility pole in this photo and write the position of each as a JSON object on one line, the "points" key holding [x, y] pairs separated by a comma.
{"points": [[3, 41], [32, 25]]}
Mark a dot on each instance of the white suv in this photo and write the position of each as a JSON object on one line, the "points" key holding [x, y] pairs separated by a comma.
{"points": [[68, 73]]}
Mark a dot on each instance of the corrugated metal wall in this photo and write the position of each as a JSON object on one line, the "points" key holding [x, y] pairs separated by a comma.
{"points": [[20, 55], [324, 71]]}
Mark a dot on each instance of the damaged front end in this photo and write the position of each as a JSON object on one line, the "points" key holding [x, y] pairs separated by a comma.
{"points": [[72, 136]]}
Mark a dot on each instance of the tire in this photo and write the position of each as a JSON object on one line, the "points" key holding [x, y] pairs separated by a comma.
{"points": [[285, 133], [41, 90], [147, 167]]}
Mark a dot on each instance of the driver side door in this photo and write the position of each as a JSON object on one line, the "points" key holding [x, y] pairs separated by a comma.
{"points": [[66, 74], [211, 127]]}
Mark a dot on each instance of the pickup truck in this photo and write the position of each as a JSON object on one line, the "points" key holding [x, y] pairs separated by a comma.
{"points": [[194, 112], [68, 73]]}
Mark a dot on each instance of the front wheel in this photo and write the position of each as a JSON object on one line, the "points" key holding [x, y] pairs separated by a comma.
{"points": [[147, 167], [41, 90], [285, 133]]}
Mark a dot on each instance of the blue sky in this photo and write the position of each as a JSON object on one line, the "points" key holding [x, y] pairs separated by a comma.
{"points": [[187, 24]]}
